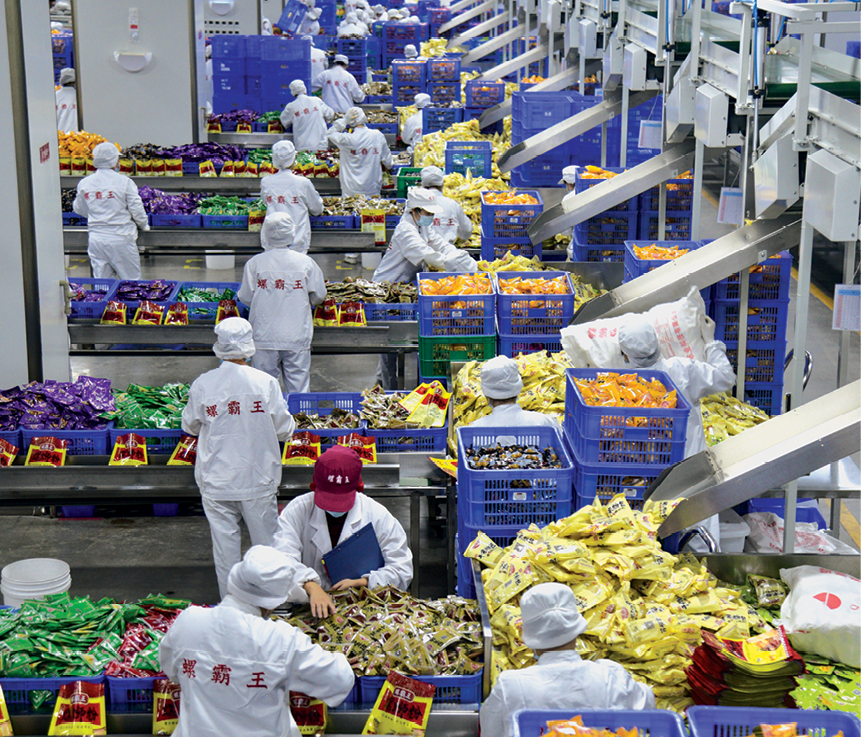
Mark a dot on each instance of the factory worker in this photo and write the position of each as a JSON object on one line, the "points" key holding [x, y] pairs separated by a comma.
{"points": [[282, 287], [295, 195], [381, 14], [561, 680], [236, 666], [114, 211], [694, 379], [410, 52], [501, 385], [238, 416], [310, 25], [411, 133], [319, 64], [314, 523], [266, 27], [452, 223], [307, 116], [569, 177], [364, 154], [352, 26], [67, 102], [340, 90]]}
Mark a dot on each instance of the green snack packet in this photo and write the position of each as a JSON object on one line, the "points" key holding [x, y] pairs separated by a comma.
{"points": [[147, 659], [40, 698]]}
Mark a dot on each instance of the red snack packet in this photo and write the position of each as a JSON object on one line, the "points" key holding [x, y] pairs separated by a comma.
{"points": [[251, 169], [239, 168], [158, 167], [129, 450], [8, 453], [309, 714], [226, 308], [303, 449], [80, 709], [227, 169], [143, 167], [275, 127], [127, 166], [243, 127], [213, 126], [173, 167], [207, 169], [365, 447], [352, 314], [114, 314], [185, 453], [46, 451], [165, 706], [177, 314], [148, 313], [326, 314]]}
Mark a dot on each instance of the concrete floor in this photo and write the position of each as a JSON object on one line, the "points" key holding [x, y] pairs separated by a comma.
{"points": [[126, 556]]}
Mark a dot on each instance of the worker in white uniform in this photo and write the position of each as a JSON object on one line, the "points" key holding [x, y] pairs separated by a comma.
{"points": [[307, 116], [310, 25], [411, 133], [569, 177], [411, 54], [501, 385], [452, 223], [67, 102], [236, 667], [352, 26], [238, 416], [340, 90], [319, 64], [208, 77], [114, 211], [295, 195], [551, 625], [381, 14], [282, 287], [694, 379], [364, 154], [314, 523]]}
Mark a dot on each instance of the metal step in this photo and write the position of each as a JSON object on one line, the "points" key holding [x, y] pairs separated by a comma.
{"points": [[577, 125], [468, 15], [480, 30], [512, 65], [769, 455], [488, 47], [719, 259]]}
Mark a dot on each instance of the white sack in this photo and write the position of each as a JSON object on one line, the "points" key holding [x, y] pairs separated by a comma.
{"points": [[766, 536]]}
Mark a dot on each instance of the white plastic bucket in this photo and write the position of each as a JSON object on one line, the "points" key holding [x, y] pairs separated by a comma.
{"points": [[733, 532], [218, 260], [33, 578], [371, 260]]}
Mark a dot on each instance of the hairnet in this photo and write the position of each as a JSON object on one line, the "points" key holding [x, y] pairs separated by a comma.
{"points": [[284, 152], [549, 616], [422, 100], [432, 176], [500, 378], [569, 175], [379, 9], [262, 578], [277, 231], [234, 339], [351, 17], [410, 51], [105, 156], [420, 198], [315, 13], [67, 76], [639, 342], [414, 19], [355, 117], [341, 59], [297, 87]]}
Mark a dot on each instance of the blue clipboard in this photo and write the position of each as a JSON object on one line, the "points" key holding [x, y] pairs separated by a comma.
{"points": [[354, 557]]}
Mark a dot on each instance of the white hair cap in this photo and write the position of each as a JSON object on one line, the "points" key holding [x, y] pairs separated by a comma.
{"points": [[315, 13], [105, 156], [549, 616], [569, 175], [351, 17], [284, 152], [422, 100], [355, 117], [341, 59], [639, 342], [67, 76], [308, 38], [234, 339], [410, 51], [420, 198], [278, 231], [432, 176], [297, 87], [414, 19], [500, 378], [263, 578]]}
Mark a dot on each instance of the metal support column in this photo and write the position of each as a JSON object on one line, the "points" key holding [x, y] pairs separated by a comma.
{"points": [[623, 141], [697, 203]]}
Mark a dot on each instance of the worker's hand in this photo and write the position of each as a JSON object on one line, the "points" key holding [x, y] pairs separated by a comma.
{"points": [[349, 583], [146, 228], [321, 603], [707, 328]]}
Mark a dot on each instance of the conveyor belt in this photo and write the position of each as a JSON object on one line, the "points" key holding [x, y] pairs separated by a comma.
{"points": [[481, 29], [490, 46], [512, 65], [468, 15]]}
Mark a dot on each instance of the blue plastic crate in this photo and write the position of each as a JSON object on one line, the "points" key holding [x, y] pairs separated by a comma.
{"points": [[512, 345], [332, 222], [484, 94], [680, 196], [209, 310], [378, 100], [494, 248], [353, 46], [405, 31], [130, 695], [502, 535], [444, 69], [439, 118], [763, 360], [409, 72], [391, 220], [513, 497], [404, 94], [160, 220], [768, 397], [74, 220], [509, 221], [636, 266], [465, 577], [387, 128], [230, 67], [654, 722], [736, 721], [12, 436], [768, 280], [419, 440], [254, 83], [677, 226], [91, 310], [292, 16], [455, 315], [391, 311], [605, 480], [444, 91], [583, 183], [226, 222], [322, 403], [440, 16], [602, 434], [78, 442], [533, 314], [449, 689], [228, 47], [608, 229], [544, 109], [596, 253], [853, 48], [277, 48], [807, 514], [229, 102], [542, 171], [767, 320], [16, 690]]}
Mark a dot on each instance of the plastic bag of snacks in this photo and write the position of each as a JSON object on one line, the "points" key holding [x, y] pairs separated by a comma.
{"points": [[309, 714], [5, 722], [352, 314], [46, 451], [8, 453], [226, 308], [148, 313], [165, 706], [185, 453], [177, 314], [129, 450], [403, 707], [326, 314], [302, 450], [366, 448], [114, 314], [80, 710]]}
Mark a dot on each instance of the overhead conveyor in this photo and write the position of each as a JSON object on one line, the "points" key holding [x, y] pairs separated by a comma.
{"points": [[468, 15], [461, 5], [538, 53], [490, 46], [482, 29]]}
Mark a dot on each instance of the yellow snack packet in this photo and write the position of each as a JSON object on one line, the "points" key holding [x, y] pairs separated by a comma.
{"points": [[484, 549], [309, 714], [403, 707], [5, 722], [165, 706], [46, 451], [80, 710], [303, 449], [129, 450]]}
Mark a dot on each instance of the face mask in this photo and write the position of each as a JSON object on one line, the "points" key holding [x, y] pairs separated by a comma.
{"points": [[425, 220], [336, 514]]}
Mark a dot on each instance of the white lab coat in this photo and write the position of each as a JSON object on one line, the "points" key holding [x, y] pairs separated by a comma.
{"points": [[280, 286], [238, 415], [363, 152], [210, 85], [409, 250], [340, 90], [67, 110], [303, 534], [295, 195], [411, 133], [561, 680], [307, 116], [453, 223], [308, 27], [222, 657], [513, 415], [319, 64]]}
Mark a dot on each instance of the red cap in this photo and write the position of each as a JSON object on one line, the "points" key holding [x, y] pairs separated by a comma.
{"points": [[337, 478]]}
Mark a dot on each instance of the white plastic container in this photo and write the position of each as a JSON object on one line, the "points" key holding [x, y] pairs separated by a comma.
{"points": [[733, 532], [371, 260], [33, 578], [219, 260]]}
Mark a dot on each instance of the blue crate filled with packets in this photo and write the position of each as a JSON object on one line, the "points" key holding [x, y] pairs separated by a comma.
{"points": [[505, 221], [409, 78]]}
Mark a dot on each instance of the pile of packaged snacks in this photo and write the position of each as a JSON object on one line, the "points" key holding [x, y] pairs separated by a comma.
{"points": [[423, 407], [462, 284], [138, 291], [67, 198], [431, 150], [217, 153], [515, 457], [317, 164], [390, 207], [385, 629], [204, 294], [337, 418], [356, 289], [161, 203], [725, 416], [82, 294], [645, 609], [78, 144], [510, 262], [384, 411], [228, 206], [537, 285], [57, 405], [625, 390], [512, 197], [150, 407], [655, 252], [466, 190]]}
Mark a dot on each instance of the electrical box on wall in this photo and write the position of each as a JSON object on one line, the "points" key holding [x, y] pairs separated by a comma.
{"points": [[711, 112], [634, 67], [832, 193], [588, 39], [775, 175], [227, 17]]}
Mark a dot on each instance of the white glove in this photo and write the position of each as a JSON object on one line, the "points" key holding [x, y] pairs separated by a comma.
{"points": [[146, 228], [707, 328], [340, 125]]}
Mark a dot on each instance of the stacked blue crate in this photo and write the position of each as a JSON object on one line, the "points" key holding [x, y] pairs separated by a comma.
{"points": [[282, 61], [409, 78], [64, 55], [328, 19], [229, 87], [356, 51], [397, 36]]}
